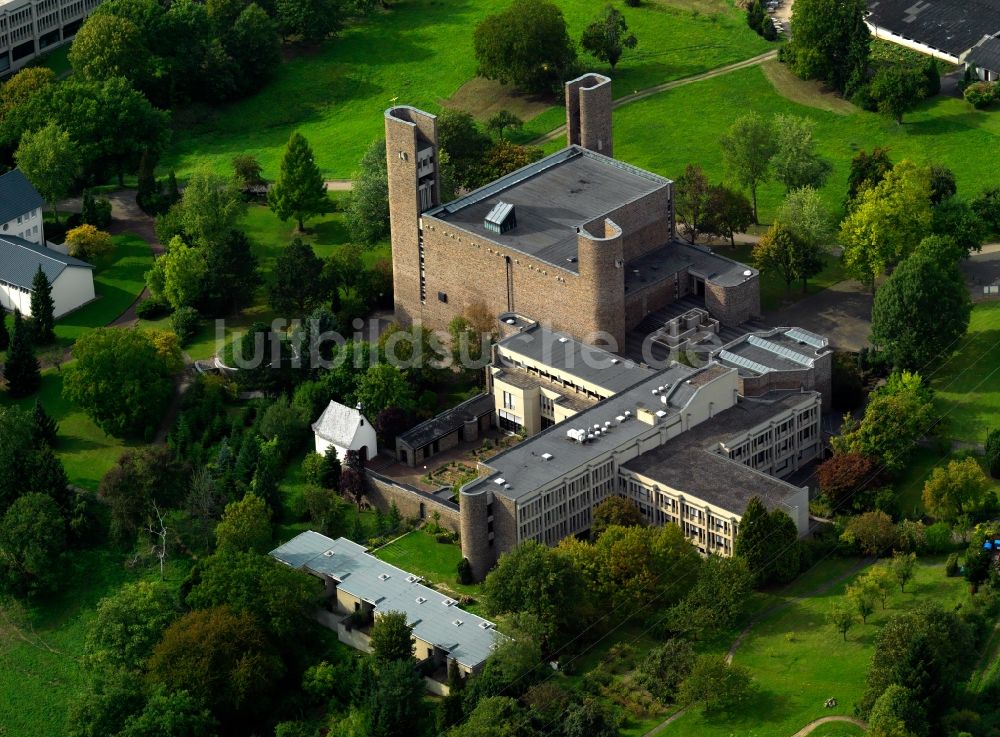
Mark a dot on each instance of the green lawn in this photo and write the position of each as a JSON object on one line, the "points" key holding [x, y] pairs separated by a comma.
{"points": [[57, 60], [40, 647], [420, 553], [773, 291], [419, 53], [798, 660], [665, 132], [968, 384], [119, 278], [85, 450]]}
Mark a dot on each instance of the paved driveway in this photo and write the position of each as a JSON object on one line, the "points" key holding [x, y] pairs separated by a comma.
{"points": [[842, 313]]}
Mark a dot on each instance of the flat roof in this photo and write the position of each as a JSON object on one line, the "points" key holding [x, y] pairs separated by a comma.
{"points": [[691, 462], [448, 421], [952, 26], [575, 358], [667, 260], [435, 618], [552, 198], [523, 467], [779, 349]]}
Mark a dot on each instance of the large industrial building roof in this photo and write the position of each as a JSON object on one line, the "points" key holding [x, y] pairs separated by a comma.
{"points": [[435, 618], [691, 462], [552, 198], [952, 26]]}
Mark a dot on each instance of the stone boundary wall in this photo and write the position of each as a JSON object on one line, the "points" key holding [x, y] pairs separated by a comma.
{"points": [[411, 501]]}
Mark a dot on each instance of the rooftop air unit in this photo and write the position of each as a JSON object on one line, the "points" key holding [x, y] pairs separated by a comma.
{"points": [[501, 219], [546, 456]]}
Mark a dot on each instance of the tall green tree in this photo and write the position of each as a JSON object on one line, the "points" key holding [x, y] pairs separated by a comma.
{"points": [[109, 45], [867, 170], [830, 42], [781, 250], [719, 686], [382, 386], [607, 37], [692, 194], [747, 149], [728, 212], [298, 285], [502, 121], [43, 321], [232, 275], [210, 208], [804, 213], [245, 525], [121, 380], [392, 638], [796, 162], [309, 21], [767, 542], [4, 333], [128, 625], [887, 222], [959, 488], [526, 45], [921, 312], [32, 541], [50, 161], [896, 90], [300, 190], [368, 207], [21, 370], [45, 430]]}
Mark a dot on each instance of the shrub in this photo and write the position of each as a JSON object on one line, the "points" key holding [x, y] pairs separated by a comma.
{"points": [[937, 538], [464, 572], [951, 567], [152, 308], [96, 211], [993, 453], [981, 94], [184, 322], [312, 469]]}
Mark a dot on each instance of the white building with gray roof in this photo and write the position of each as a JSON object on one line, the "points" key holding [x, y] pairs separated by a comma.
{"points": [[20, 208], [360, 588], [72, 280]]}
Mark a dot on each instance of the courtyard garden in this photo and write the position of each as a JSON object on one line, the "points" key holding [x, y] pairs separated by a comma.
{"points": [[436, 561]]}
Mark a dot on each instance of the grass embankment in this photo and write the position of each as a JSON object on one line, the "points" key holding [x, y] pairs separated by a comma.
{"points": [[968, 383], [667, 131], [799, 660], [40, 646], [420, 53]]}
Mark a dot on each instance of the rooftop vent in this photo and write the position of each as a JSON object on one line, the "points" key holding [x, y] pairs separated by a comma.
{"points": [[383, 577], [328, 553], [546, 456], [510, 321], [501, 219], [485, 625], [412, 579], [421, 600], [457, 622], [661, 414], [564, 340], [448, 602], [499, 481]]}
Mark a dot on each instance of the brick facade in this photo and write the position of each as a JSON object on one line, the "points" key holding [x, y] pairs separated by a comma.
{"points": [[588, 113], [411, 502]]}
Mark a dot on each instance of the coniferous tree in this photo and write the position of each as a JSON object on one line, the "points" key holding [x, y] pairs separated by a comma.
{"points": [[4, 335], [300, 190], [45, 429], [147, 194], [21, 371], [173, 191], [42, 309], [751, 540]]}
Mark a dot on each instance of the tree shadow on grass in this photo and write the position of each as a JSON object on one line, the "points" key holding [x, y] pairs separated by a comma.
{"points": [[762, 707]]}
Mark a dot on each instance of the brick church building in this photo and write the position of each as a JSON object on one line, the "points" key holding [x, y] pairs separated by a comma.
{"points": [[578, 239]]}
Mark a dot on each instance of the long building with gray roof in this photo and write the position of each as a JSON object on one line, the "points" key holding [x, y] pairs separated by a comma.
{"points": [[360, 588]]}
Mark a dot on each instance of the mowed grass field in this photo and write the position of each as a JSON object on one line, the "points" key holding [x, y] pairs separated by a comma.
{"points": [[40, 647], [420, 553], [665, 132], [968, 383], [799, 660], [420, 53]]}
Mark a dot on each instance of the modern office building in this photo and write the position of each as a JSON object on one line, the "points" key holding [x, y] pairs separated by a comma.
{"points": [[31, 27]]}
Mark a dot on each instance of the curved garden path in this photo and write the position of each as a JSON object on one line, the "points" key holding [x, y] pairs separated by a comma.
{"points": [[757, 619], [826, 720]]}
